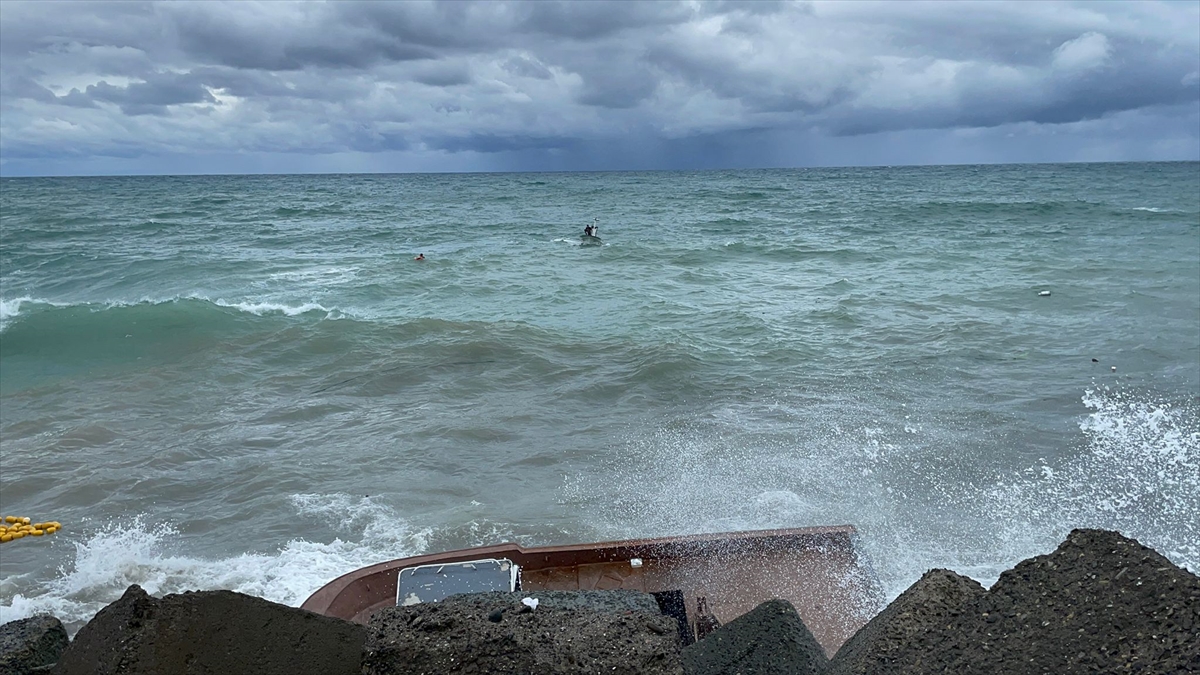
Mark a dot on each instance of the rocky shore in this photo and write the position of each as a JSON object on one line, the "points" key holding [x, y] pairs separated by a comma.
{"points": [[1100, 603]]}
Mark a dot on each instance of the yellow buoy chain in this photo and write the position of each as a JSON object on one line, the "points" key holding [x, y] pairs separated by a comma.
{"points": [[15, 527]]}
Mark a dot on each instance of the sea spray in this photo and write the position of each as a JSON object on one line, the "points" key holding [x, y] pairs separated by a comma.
{"points": [[109, 557], [1137, 471], [1133, 469]]}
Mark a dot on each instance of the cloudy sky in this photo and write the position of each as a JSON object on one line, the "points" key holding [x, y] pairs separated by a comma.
{"points": [[248, 87]]}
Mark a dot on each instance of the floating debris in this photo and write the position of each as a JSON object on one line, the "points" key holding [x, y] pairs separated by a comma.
{"points": [[18, 527], [1043, 293]]}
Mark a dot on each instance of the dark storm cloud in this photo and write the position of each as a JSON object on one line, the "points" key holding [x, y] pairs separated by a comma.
{"points": [[442, 74], [617, 86], [589, 20], [23, 86], [257, 37], [691, 84], [152, 96]]}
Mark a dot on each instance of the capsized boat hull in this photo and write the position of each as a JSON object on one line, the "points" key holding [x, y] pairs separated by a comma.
{"points": [[589, 240], [817, 569]]}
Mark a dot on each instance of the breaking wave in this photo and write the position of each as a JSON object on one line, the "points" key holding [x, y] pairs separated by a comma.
{"points": [[108, 557]]}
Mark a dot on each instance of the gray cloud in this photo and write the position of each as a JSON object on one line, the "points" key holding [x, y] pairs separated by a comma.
{"points": [[585, 84], [152, 96], [525, 66]]}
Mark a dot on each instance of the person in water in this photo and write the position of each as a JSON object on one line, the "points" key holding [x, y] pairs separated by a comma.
{"points": [[420, 256], [587, 230]]}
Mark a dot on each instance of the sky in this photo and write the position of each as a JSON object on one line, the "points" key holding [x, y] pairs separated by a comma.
{"points": [[99, 87]]}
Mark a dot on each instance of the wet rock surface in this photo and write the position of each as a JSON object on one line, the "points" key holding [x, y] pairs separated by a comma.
{"points": [[1100, 603], [900, 637], [568, 632], [769, 639], [27, 645], [211, 632]]}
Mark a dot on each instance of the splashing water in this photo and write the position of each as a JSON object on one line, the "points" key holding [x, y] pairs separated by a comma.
{"points": [[1139, 474], [1136, 470], [118, 554]]}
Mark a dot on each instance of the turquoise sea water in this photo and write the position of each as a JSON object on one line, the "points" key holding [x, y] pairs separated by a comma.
{"points": [[247, 382]]}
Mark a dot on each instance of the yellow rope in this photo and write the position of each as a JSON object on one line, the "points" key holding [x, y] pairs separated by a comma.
{"points": [[15, 527]]}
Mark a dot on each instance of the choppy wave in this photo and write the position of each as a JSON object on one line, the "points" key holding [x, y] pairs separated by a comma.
{"points": [[39, 316], [749, 349], [1155, 209], [9, 309], [265, 308]]}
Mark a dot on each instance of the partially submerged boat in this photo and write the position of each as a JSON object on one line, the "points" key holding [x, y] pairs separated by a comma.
{"points": [[818, 569]]}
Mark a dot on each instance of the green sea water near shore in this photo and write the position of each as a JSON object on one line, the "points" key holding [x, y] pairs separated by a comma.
{"points": [[247, 382]]}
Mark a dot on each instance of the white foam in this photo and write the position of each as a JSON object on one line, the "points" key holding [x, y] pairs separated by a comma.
{"points": [[113, 556], [256, 307], [322, 276], [10, 309], [1138, 473], [265, 308]]}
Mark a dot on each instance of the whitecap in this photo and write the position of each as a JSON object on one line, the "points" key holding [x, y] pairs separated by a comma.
{"points": [[131, 551]]}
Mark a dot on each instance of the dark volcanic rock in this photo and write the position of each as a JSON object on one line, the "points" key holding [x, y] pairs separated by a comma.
{"points": [[609, 602], [768, 640], [219, 632], [899, 638], [1100, 603], [26, 644], [569, 632]]}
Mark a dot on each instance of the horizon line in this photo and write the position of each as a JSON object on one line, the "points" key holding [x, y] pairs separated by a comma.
{"points": [[568, 171]]}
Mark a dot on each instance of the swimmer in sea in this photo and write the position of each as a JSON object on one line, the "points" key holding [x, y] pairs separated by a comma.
{"points": [[420, 256]]}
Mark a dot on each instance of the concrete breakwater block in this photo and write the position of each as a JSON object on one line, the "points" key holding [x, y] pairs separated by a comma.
{"points": [[1100, 603], [908, 629], [211, 632], [568, 632], [769, 639], [26, 645]]}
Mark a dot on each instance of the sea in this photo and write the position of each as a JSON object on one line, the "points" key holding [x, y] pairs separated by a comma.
{"points": [[248, 382]]}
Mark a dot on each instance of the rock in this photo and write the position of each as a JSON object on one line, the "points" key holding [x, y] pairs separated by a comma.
{"points": [[769, 639], [29, 644], [1100, 603], [569, 632], [900, 636], [211, 632]]}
